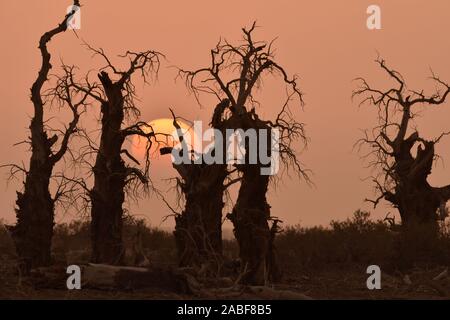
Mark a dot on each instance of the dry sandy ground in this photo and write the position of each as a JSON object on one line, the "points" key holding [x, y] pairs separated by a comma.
{"points": [[335, 284]]}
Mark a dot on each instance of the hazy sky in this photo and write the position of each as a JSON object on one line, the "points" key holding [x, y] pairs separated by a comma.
{"points": [[326, 43]]}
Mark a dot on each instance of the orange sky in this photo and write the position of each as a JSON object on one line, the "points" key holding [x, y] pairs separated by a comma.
{"points": [[325, 42]]}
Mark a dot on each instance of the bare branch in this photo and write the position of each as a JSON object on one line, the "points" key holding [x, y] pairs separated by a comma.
{"points": [[400, 169]]}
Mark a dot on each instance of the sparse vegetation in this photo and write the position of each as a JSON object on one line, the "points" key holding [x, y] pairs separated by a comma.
{"points": [[358, 242], [315, 257]]}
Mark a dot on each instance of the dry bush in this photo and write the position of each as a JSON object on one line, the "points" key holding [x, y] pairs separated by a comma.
{"points": [[6, 243], [359, 242], [420, 246], [72, 241]]}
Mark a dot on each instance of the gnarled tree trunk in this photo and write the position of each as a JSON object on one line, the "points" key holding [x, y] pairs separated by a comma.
{"points": [[404, 171], [236, 72], [33, 231], [250, 219], [198, 230], [110, 174], [251, 214], [416, 200]]}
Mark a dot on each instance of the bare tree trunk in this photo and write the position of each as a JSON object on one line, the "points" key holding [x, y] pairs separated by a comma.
{"points": [[405, 159], [251, 213], [416, 200], [112, 175], [198, 230], [109, 170], [418, 204], [33, 231], [250, 219]]}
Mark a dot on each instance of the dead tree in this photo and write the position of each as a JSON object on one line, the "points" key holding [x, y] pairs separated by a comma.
{"points": [[198, 228], [397, 151], [236, 73], [113, 176], [33, 231]]}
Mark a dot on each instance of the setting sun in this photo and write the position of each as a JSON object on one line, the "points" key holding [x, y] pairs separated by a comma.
{"points": [[166, 133]]}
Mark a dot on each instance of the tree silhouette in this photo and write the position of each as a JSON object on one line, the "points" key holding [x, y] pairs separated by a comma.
{"points": [[235, 74], [402, 157], [113, 176], [33, 231], [198, 228]]}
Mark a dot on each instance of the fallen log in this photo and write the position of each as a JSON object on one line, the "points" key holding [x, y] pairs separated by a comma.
{"points": [[101, 276], [174, 280], [108, 277]]}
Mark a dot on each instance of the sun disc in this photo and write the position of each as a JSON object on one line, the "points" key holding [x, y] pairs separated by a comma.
{"points": [[165, 134]]}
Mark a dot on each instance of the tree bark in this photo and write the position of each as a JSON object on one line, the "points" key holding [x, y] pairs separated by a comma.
{"points": [[251, 213], [33, 231], [250, 219], [418, 204], [198, 230], [110, 174], [416, 200]]}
